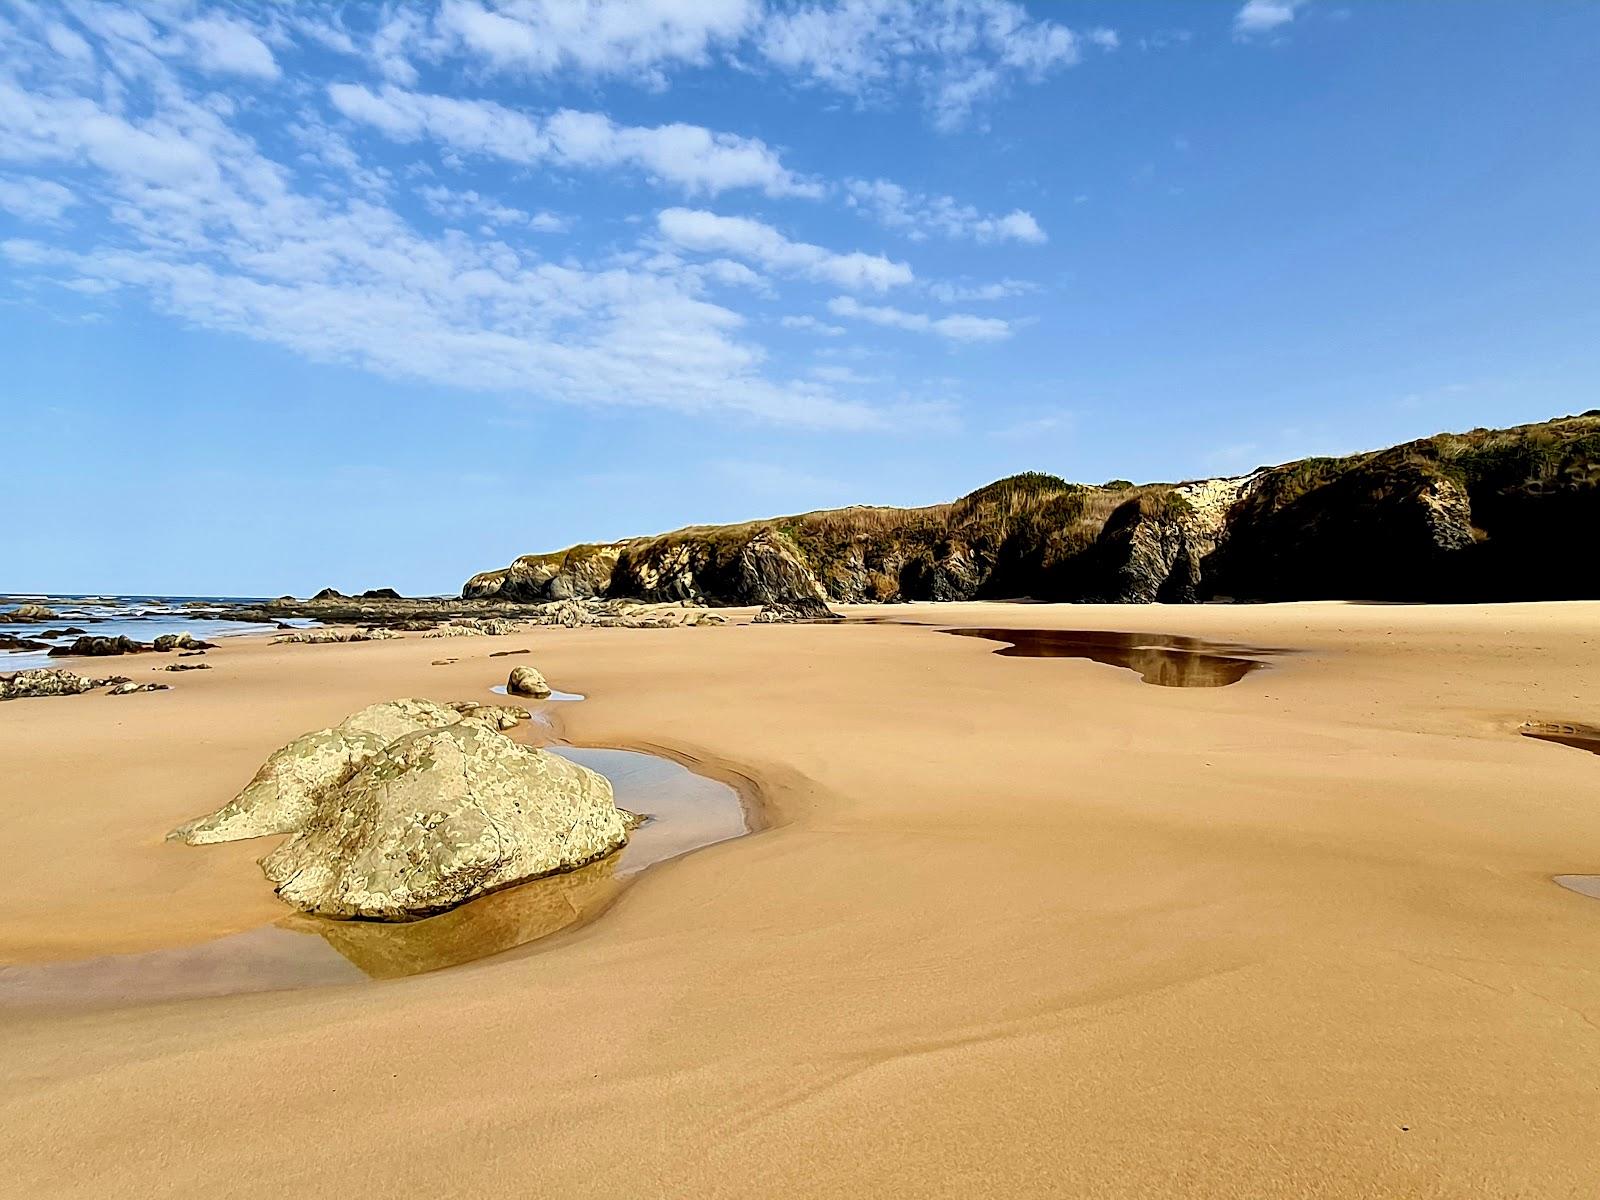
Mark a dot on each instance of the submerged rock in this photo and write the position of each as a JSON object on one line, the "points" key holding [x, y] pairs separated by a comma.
{"points": [[10, 641], [525, 681], [29, 612], [99, 647], [440, 817], [286, 790]]}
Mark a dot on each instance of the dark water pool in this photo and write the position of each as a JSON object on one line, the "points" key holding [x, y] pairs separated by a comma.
{"points": [[1162, 659]]}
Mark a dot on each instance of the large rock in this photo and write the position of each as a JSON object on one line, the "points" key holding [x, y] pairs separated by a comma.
{"points": [[46, 681], [440, 817], [525, 681], [99, 647], [795, 611], [284, 793], [169, 642], [28, 612]]}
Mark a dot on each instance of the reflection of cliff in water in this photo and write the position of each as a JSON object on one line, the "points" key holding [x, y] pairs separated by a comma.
{"points": [[1162, 659], [1565, 733]]}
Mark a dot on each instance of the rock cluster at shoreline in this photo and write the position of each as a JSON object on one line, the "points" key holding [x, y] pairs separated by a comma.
{"points": [[410, 807], [56, 681], [318, 637]]}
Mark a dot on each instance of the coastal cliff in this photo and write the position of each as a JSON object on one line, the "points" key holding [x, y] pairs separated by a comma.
{"points": [[1484, 515]]}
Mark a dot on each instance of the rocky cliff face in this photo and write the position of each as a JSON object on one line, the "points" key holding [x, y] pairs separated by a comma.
{"points": [[1491, 514]]}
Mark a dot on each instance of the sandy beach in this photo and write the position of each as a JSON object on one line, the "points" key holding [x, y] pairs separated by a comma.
{"points": [[1011, 926]]}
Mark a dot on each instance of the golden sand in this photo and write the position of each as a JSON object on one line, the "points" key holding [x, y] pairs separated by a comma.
{"points": [[1016, 927]]}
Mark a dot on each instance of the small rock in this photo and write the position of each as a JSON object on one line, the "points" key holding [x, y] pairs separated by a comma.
{"points": [[525, 681], [128, 687]]}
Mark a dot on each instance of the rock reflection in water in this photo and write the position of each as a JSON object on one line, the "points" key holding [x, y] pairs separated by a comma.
{"points": [[489, 925], [1163, 659], [1565, 733]]}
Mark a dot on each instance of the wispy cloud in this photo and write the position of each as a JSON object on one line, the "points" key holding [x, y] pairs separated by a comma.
{"points": [[958, 327], [755, 241], [922, 216], [694, 158]]}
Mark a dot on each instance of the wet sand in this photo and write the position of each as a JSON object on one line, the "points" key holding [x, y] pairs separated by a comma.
{"points": [[1017, 926]]}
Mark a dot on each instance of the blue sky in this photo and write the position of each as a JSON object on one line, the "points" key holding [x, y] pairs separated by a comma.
{"points": [[295, 295]]}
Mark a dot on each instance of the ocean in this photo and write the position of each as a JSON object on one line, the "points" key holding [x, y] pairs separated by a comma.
{"points": [[143, 618]]}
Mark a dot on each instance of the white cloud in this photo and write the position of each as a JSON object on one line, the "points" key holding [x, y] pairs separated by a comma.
{"points": [[35, 199], [690, 157], [959, 327], [227, 47], [214, 232], [68, 44], [955, 52], [1263, 16], [638, 37], [812, 325], [923, 216], [742, 237], [464, 205], [958, 293]]}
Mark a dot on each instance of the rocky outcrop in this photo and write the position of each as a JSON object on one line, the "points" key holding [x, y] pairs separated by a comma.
{"points": [[10, 641], [750, 566], [582, 571], [283, 794], [169, 642], [380, 594], [99, 647], [475, 627], [525, 681], [46, 681], [439, 817], [795, 612], [315, 637], [28, 613], [1484, 515]]}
